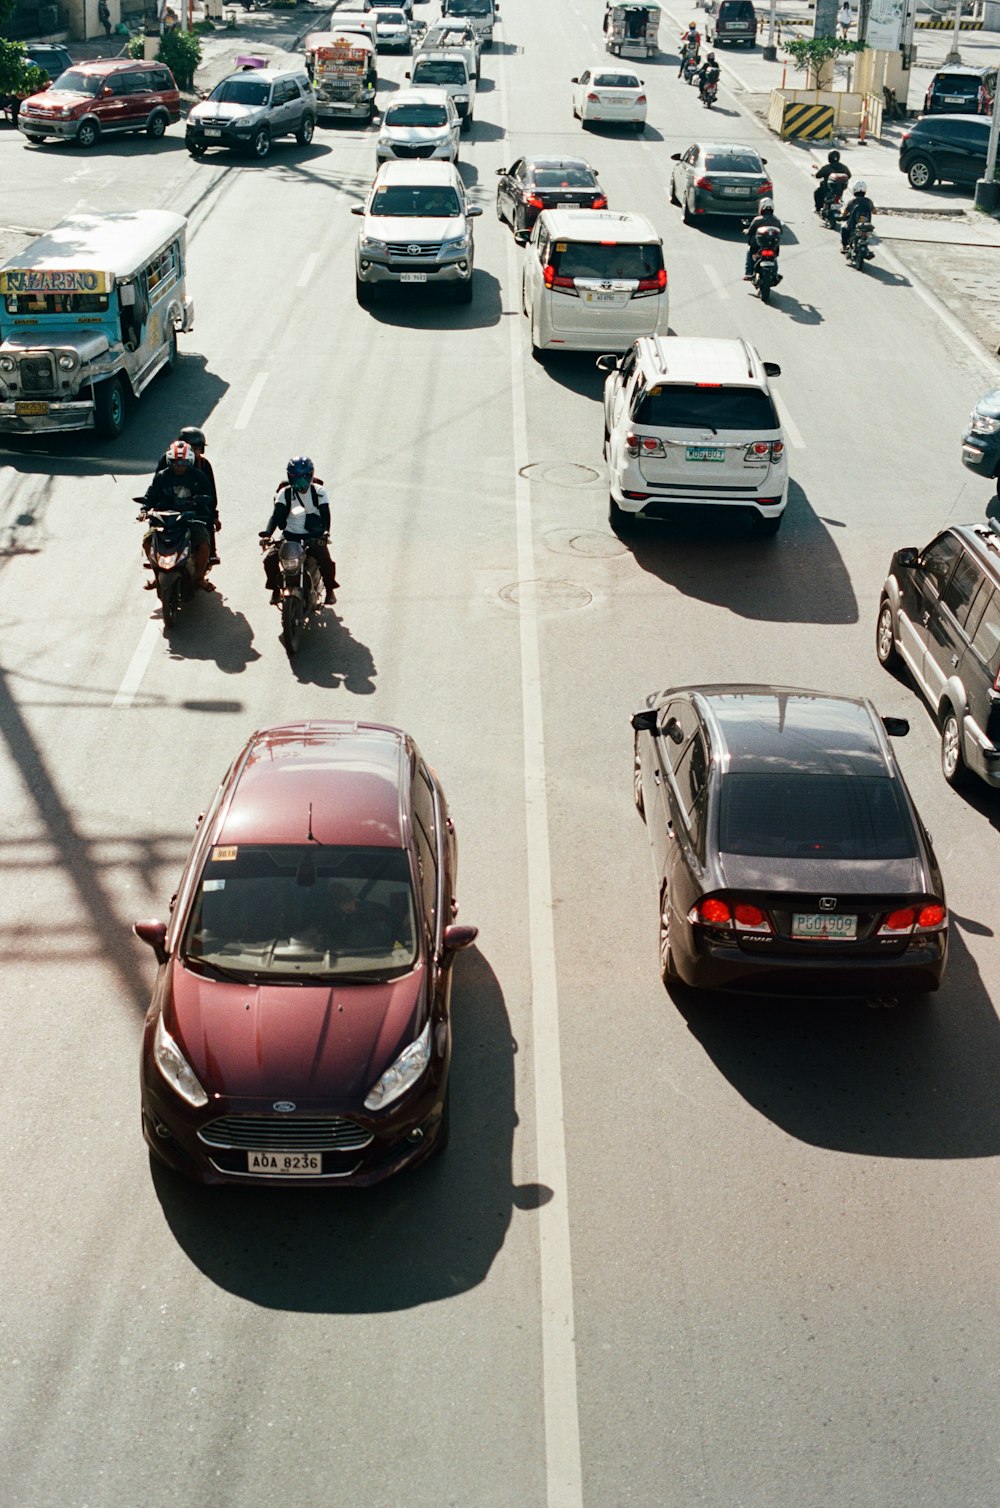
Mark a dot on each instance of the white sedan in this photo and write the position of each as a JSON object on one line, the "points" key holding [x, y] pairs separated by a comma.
{"points": [[615, 95]]}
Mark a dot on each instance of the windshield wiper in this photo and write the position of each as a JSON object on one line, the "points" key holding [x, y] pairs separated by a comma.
{"points": [[241, 976]]}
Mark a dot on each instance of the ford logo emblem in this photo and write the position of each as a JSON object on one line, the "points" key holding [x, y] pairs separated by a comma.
{"points": [[283, 1106]]}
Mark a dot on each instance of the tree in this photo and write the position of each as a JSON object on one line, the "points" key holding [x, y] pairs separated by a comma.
{"points": [[18, 77], [816, 55]]}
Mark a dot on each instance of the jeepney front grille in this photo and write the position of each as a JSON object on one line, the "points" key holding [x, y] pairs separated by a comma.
{"points": [[38, 374], [337, 88]]}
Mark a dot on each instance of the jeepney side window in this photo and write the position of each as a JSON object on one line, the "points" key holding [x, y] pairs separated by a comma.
{"points": [[163, 271], [134, 301]]}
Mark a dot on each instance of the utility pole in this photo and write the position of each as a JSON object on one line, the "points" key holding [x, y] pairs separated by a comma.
{"points": [[987, 189], [954, 56], [771, 51]]}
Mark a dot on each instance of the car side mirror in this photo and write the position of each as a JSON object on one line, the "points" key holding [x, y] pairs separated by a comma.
{"points": [[674, 731], [574, 81], [907, 557], [470, 214], [896, 727], [675, 157], [456, 937], [155, 935], [764, 161], [645, 721], [357, 209], [406, 75], [607, 363], [772, 369], [522, 237], [106, 91], [501, 172]]}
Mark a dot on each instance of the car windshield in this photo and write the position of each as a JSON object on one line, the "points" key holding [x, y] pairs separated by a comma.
{"points": [[962, 85], [442, 72], [682, 406], [588, 259], [392, 17], [616, 81], [814, 816], [241, 92], [733, 162], [469, 7], [416, 115], [75, 81], [556, 178], [304, 911], [412, 203]]}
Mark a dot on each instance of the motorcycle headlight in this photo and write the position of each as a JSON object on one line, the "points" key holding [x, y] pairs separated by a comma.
{"points": [[166, 562], [175, 1067], [405, 1072], [371, 243], [981, 424], [67, 362]]}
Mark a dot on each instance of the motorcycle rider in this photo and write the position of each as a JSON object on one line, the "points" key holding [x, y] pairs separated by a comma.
{"points": [[827, 170], [860, 208], [195, 437], [182, 487], [311, 502], [765, 216], [708, 73], [690, 43]]}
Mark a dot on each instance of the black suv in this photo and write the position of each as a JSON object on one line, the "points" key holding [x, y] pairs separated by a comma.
{"points": [[952, 147], [940, 615], [957, 89], [981, 439], [54, 60], [736, 22]]}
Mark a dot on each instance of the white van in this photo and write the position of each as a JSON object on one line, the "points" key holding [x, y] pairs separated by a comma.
{"points": [[593, 280], [481, 15]]}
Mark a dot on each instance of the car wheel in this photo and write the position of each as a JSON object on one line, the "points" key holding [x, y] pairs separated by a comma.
{"points": [[466, 125], [885, 636], [765, 527], [673, 193], [197, 151], [920, 173], [444, 1132], [668, 970], [620, 521], [261, 144], [953, 766], [156, 125], [364, 292], [36, 139], [304, 134], [640, 126], [109, 403], [171, 361], [686, 214], [500, 214], [87, 135], [640, 804]]}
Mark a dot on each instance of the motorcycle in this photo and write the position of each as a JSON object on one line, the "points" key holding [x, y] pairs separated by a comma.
{"points": [[858, 250], [169, 556], [692, 62], [764, 272], [829, 210], [302, 594], [709, 93]]}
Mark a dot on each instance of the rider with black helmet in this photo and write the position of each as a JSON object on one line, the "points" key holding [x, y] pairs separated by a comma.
{"points": [[306, 495], [708, 73], [195, 437], [765, 216], [180, 486], [831, 168]]}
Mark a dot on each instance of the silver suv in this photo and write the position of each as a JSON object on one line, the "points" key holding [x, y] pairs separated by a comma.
{"points": [[415, 229], [249, 109]]}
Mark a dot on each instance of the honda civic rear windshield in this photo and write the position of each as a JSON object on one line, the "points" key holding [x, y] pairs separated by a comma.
{"points": [[694, 407], [814, 816], [588, 259]]}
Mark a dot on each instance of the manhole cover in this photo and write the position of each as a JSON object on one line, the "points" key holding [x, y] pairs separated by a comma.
{"points": [[563, 474], [585, 542], [551, 596]]}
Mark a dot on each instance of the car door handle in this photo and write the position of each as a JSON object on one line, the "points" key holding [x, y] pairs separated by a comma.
{"points": [[656, 777], [954, 661], [925, 619], [670, 828]]}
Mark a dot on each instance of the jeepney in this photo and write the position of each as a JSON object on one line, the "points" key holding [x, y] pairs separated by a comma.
{"points": [[90, 313], [344, 73], [631, 28]]}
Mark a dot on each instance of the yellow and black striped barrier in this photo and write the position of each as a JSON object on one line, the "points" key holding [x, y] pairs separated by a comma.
{"points": [[812, 121], [948, 25]]}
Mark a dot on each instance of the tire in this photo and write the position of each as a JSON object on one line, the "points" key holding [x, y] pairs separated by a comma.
{"points": [[764, 289], [920, 173], [640, 126], [765, 528], [109, 399], [304, 134], [466, 125], [261, 144], [885, 637], [668, 969], [953, 766], [156, 125], [500, 214], [686, 214], [673, 195], [640, 804], [444, 1134], [171, 603], [197, 152], [169, 366], [364, 292], [463, 291], [291, 624], [87, 135], [620, 521]]}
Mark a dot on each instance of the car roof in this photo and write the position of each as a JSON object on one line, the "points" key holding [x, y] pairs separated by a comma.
{"points": [[421, 170], [112, 65], [741, 147], [432, 95], [770, 729], [961, 70], [612, 66], [270, 75], [115, 243], [983, 539], [932, 122], [442, 55], [698, 358], [598, 225], [542, 161], [341, 781]]}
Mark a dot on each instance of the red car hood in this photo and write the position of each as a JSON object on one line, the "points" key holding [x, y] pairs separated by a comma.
{"points": [[328, 1042], [58, 99]]}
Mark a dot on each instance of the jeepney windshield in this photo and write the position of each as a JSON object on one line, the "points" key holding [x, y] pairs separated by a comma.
{"points": [[56, 303]]}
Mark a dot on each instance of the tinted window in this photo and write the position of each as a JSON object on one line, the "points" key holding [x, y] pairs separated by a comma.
{"points": [[161, 79], [586, 259], [241, 92], [942, 130], [707, 407], [692, 772], [553, 178], [962, 587], [427, 869], [733, 162], [814, 816], [469, 7], [409, 203], [443, 72], [938, 559], [77, 82], [678, 722], [965, 87], [416, 115], [987, 640], [737, 10], [616, 80], [136, 83]]}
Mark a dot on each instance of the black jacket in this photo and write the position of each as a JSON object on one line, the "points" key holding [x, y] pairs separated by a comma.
{"points": [[860, 208], [188, 492], [758, 221], [202, 464], [829, 168]]}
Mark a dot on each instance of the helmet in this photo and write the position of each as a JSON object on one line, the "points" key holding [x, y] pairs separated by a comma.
{"points": [[300, 472], [193, 436], [833, 156], [766, 204], [180, 454], [711, 57], [861, 187]]}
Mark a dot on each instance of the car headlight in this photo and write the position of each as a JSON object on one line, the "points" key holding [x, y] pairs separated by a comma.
{"points": [[460, 243], [982, 425], [461, 99], [405, 1072], [67, 362], [8, 364], [371, 243], [175, 1067]]}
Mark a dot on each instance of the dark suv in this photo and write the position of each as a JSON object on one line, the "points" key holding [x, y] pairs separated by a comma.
{"points": [[952, 147], [940, 616], [736, 23], [957, 89], [981, 439]]}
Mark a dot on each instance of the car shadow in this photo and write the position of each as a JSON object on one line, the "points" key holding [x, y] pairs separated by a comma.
{"points": [[918, 1081], [329, 656], [112, 146], [574, 370], [758, 579], [483, 130], [434, 308], [421, 1237]]}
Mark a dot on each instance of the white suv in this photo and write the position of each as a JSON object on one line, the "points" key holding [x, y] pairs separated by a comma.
{"points": [[416, 229], [418, 123], [692, 421]]}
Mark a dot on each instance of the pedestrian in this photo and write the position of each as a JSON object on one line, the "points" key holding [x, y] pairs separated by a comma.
{"points": [[845, 19], [104, 16]]}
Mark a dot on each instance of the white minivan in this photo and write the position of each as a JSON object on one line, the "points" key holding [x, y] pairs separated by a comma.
{"points": [[593, 280]]}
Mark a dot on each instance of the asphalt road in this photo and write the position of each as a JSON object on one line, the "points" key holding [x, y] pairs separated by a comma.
{"points": [[677, 1253]]}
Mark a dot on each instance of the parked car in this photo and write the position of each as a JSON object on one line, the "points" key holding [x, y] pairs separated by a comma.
{"points": [[957, 89], [719, 178], [419, 123], [300, 1027], [948, 147], [611, 94], [91, 100], [247, 110], [789, 856], [939, 615], [53, 59], [981, 440], [532, 184], [416, 229], [735, 24], [690, 422]]}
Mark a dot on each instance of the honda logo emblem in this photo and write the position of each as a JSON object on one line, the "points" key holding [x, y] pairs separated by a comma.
{"points": [[828, 903]]}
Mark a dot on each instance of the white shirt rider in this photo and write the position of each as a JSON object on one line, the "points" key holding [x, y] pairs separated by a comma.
{"points": [[301, 506]]}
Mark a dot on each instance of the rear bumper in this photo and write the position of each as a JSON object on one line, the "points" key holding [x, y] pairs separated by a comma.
{"points": [[918, 970], [634, 494]]}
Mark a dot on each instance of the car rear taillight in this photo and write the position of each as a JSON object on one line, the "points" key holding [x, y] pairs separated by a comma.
{"points": [[766, 188], [905, 137], [706, 184], [640, 99], [760, 450], [751, 918], [711, 913], [594, 99], [599, 203], [552, 281], [929, 918], [744, 916], [653, 285], [534, 201], [777, 449], [632, 443]]}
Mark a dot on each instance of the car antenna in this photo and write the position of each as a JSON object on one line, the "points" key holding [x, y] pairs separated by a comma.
{"points": [[310, 835]]}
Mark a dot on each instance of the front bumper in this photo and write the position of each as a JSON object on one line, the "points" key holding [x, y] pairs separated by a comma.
{"points": [[981, 454], [33, 125], [220, 136], [387, 152], [70, 415], [459, 270]]}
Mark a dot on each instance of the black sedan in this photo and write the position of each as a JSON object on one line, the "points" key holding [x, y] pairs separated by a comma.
{"points": [[535, 183], [789, 856]]}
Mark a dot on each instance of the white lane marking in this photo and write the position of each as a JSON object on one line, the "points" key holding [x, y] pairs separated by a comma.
{"points": [[137, 665], [788, 424], [250, 401], [308, 269], [563, 1470], [716, 281]]}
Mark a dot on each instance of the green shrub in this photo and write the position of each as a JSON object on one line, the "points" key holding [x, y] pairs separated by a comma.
{"points": [[136, 48], [181, 51]]}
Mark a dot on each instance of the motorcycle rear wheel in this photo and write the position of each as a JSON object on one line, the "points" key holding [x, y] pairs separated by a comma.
{"points": [[291, 624], [171, 601], [764, 288]]}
